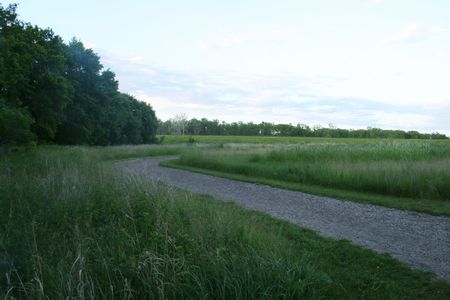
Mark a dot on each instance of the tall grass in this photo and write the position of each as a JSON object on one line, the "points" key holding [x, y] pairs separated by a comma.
{"points": [[395, 168], [74, 227]]}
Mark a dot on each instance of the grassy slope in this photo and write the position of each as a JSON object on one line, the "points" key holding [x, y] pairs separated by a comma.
{"points": [[72, 226]]}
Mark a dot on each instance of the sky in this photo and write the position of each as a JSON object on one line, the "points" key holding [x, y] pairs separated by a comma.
{"points": [[350, 63]]}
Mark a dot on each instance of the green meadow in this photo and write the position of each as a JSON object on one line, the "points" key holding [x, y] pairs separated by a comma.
{"points": [[73, 226], [405, 174]]}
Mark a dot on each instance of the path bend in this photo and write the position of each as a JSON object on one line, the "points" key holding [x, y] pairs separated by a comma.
{"points": [[420, 240]]}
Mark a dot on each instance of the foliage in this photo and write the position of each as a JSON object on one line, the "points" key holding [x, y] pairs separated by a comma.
{"points": [[215, 127], [15, 126], [61, 93], [77, 228], [32, 73]]}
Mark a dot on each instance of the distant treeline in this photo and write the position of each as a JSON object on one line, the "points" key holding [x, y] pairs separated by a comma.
{"points": [[52, 92], [180, 125]]}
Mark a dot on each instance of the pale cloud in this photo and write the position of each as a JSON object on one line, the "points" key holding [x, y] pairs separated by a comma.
{"points": [[411, 33], [403, 120], [375, 2], [276, 100], [229, 40], [283, 97], [89, 45]]}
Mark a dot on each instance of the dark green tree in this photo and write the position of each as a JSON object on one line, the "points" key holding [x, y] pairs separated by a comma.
{"points": [[32, 72], [60, 93], [15, 125]]}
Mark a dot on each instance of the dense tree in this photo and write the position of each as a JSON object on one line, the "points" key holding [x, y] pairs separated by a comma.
{"points": [[60, 93], [214, 127], [32, 73], [15, 125]]}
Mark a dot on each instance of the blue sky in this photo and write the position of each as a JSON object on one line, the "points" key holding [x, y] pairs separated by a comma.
{"points": [[351, 63]]}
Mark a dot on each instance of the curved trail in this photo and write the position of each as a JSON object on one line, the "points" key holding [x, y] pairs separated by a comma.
{"points": [[420, 240]]}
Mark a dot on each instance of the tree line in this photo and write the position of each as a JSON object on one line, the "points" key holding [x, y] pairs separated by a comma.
{"points": [[181, 125], [52, 92]]}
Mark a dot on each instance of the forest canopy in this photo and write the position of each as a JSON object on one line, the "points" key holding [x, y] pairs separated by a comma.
{"points": [[53, 92]]}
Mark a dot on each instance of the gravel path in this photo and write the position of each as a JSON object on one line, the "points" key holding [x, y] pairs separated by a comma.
{"points": [[420, 240]]}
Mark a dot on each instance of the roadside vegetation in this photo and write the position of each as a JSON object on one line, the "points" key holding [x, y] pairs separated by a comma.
{"points": [[404, 174], [74, 226]]}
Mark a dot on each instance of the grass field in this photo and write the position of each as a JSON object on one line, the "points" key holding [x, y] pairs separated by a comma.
{"points": [[405, 174], [75, 227]]}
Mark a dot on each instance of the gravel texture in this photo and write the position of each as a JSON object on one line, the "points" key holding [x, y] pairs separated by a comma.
{"points": [[420, 240]]}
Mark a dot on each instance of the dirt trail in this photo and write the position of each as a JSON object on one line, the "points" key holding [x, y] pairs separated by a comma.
{"points": [[420, 240]]}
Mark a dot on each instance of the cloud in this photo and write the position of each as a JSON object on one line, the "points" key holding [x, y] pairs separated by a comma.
{"points": [[229, 40], [411, 33], [375, 2], [276, 97], [90, 45]]}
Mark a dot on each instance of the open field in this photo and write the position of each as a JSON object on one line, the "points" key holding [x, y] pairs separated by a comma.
{"points": [[73, 226], [403, 174]]}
